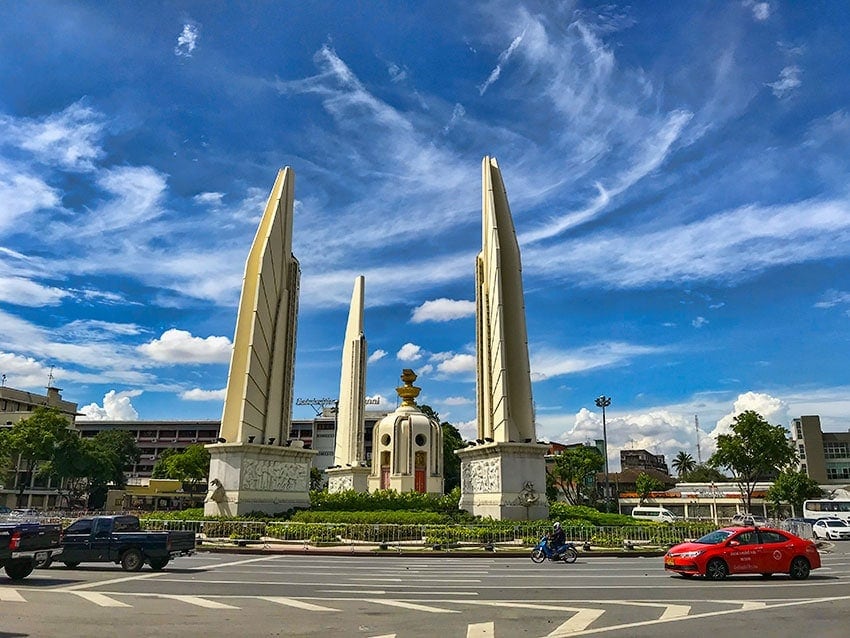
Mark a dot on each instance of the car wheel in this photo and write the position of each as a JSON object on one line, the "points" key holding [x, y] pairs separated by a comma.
{"points": [[716, 569], [19, 568], [800, 568], [158, 563], [132, 560]]}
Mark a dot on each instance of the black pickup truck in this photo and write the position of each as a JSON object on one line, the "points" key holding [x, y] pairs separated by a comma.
{"points": [[121, 540], [23, 545]]}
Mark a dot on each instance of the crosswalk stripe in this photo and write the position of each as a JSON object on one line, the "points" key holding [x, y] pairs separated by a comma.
{"points": [[414, 606], [481, 630], [580, 621], [675, 611], [200, 602], [100, 599], [300, 604], [11, 596]]}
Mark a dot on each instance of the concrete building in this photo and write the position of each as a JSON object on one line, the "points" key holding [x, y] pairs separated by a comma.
{"points": [[823, 456], [643, 460], [14, 406]]}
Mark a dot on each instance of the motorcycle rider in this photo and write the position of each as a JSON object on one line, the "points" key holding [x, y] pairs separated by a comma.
{"points": [[557, 539]]}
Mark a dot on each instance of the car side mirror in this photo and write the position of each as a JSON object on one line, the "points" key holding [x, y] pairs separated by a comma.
{"points": [[733, 543]]}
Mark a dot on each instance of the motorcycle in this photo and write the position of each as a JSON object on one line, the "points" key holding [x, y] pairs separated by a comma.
{"points": [[542, 551]]}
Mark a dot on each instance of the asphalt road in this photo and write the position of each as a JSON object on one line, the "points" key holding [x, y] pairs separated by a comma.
{"points": [[313, 595]]}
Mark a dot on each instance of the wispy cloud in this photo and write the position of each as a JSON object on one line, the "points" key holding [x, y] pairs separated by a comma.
{"points": [[187, 41], [548, 362], [377, 355], [789, 80], [25, 292], [504, 56]]}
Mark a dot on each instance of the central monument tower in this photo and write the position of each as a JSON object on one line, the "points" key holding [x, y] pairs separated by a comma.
{"points": [[504, 476]]}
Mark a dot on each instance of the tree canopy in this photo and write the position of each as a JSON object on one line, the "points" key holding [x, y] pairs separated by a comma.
{"points": [[645, 484], [191, 466], [793, 487], [452, 440], [573, 473], [756, 450], [683, 463]]}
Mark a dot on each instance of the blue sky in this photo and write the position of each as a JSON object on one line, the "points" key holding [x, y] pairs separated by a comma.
{"points": [[677, 177]]}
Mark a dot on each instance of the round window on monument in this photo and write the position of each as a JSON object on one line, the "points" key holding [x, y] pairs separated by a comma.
{"points": [[421, 440], [385, 439]]}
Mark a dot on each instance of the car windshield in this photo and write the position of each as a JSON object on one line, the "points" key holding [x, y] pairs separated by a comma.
{"points": [[714, 537], [836, 524]]}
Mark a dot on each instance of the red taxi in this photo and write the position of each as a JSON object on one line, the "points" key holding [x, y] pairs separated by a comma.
{"points": [[744, 550]]}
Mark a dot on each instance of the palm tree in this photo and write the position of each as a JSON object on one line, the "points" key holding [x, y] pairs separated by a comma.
{"points": [[683, 463]]}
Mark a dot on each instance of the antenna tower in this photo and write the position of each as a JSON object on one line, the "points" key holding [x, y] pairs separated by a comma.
{"points": [[50, 378], [696, 425]]}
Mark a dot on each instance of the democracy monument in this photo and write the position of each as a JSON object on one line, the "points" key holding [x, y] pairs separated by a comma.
{"points": [[254, 467]]}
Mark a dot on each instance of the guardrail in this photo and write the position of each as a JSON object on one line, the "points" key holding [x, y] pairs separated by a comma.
{"points": [[520, 534]]}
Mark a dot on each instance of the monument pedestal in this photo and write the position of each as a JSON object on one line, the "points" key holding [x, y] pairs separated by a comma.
{"points": [[506, 481], [257, 478], [341, 479]]}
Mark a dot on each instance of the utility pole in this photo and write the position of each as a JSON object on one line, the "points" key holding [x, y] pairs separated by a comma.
{"points": [[696, 425], [603, 402]]}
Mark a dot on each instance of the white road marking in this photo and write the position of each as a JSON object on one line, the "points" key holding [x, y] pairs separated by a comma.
{"points": [[426, 592], [481, 630], [100, 599], [413, 606], [577, 623], [292, 602], [670, 610], [198, 601], [11, 596], [418, 580]]}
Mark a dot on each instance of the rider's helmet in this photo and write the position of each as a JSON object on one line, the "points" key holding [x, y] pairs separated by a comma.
{"points": [[557, 525]]}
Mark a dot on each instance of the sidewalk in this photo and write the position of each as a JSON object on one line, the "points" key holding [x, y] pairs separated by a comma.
{"points": [[418, 551]]}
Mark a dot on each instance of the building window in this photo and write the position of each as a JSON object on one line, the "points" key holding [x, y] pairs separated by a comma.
{"points": [[802, 449], [835, 450], [798, 426]]}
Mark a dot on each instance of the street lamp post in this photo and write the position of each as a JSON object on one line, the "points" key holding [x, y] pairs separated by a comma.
{"points": [[603, 402]]}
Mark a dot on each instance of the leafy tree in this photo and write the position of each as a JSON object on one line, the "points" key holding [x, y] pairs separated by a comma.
{"points": [[191, 466], [704, 474], [34, 440], [644, 484], [160, 470], [452, 440], [121, 449], [317, 479], [683, 463], [793, 487], [574, 473], [755, 450]]}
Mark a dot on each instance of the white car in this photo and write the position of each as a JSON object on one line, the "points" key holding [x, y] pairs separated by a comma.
{"points": [[831, 529]]}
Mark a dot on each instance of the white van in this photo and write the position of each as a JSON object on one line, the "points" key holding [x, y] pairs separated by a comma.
{"points": [[659, 514]]}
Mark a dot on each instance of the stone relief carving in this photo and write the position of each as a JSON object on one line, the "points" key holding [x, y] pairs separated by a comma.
{"points": [[481, 476], [340, 484], [274, 476], [527, 495]]}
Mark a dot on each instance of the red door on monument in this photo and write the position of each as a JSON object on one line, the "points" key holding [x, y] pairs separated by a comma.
{"points": [[385, 470], [419, 484]]}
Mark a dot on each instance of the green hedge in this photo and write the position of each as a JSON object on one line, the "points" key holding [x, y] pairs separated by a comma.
{"points": [[398, 517], [384, 500]]}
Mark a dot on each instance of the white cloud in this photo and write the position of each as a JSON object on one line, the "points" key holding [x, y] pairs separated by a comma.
{"points": [[377, 355], [457, 364], [699, 322], [456, 401], [707, 249], [70, 138], [468, 429], [832, 298], [789, 80], [548, 362], [196, 394], [443, 310], [409, 352], [187, 41], [25, 292], [211, 199], [397, 73], [116, 407], [773, 409], [458, 112], [24, 372], [179, 346], [21, 195], [761, 10]]}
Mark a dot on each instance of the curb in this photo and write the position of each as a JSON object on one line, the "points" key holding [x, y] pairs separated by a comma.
{"points": [[425, 553]]}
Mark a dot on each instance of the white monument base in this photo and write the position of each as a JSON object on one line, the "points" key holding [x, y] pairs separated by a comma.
{"points": [[505, 481], [245, 477], [341, 479]]}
